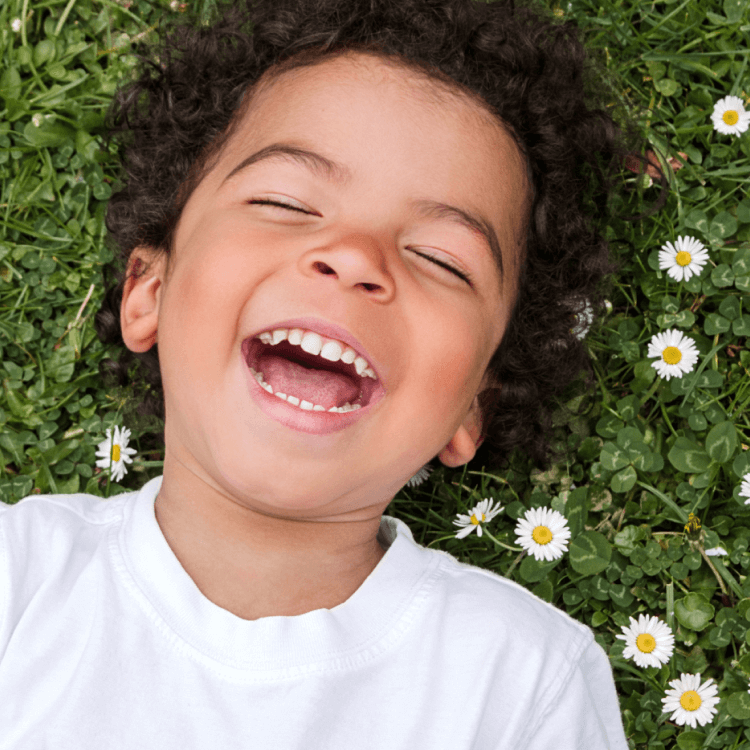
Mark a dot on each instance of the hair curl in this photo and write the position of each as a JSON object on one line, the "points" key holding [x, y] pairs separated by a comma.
{"points": [[531, 70]]}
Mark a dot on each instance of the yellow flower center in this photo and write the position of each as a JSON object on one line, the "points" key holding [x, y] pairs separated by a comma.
{"points": [[476, 521], [683, 258], [671, 355], [115, 453], [690, 700], [730, 117], [541, 535], [645, 642]]}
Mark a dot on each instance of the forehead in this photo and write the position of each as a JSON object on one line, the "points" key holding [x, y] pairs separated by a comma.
{"points": [[381, 121]]}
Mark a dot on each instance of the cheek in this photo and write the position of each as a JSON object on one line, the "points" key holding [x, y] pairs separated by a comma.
{"points": [[453, 367]]}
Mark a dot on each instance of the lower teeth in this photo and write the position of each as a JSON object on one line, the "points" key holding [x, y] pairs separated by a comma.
{"points": [[304, 405]]}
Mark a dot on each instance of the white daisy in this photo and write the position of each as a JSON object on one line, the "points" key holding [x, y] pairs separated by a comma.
{"points": [[683, 259], [729, 116], [482, 512], [544, 533], [420, 476], [583, 321], [37, 120], [15, 24], [115, 452], [677, 353], [714, 551], [691, 702], [649, 641], [745, 488]]}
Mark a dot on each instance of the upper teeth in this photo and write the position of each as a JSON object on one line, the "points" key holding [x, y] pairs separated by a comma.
{"points": [[314, 343]]}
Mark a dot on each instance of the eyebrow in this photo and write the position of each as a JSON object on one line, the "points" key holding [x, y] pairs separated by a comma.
{"points": [[332, 171]]}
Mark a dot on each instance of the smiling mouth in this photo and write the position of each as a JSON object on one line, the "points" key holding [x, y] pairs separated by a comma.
{"points": [[307, 381]]}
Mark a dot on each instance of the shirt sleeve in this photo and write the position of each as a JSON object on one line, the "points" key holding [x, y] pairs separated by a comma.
{"points": [[585, 713]]}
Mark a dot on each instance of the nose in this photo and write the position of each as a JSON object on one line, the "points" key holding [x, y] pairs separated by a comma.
{"points": [[355, 261]]}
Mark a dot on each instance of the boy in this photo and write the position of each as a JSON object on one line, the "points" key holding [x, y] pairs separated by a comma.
{"points": [[328, 272]]}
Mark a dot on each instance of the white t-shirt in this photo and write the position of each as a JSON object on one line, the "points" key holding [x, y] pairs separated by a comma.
{"points": [[106, 642]]}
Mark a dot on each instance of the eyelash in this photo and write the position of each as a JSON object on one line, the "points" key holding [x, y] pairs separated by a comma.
{"points": [[460, 274]]}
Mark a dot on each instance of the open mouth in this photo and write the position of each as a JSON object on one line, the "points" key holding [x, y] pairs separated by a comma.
{"points": [[308, 381]]}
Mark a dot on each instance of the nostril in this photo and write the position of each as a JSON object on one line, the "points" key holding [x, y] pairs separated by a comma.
{"points": [[324, 268]]}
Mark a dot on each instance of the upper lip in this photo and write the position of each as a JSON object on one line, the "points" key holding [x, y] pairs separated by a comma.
{"points": [[330, 330]]}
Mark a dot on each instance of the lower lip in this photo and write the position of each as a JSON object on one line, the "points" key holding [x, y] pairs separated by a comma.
{"points": [[313, 422]]}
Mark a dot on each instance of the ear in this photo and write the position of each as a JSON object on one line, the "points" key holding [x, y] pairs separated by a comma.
{"points": [[464, 444], [141, 296]]}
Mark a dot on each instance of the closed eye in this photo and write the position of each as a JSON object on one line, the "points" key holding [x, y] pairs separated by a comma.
{"points": [[442, 264], [447, 267], [266, 202]]}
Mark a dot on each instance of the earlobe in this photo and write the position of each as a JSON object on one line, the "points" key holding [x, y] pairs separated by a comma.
{"points": [[465, 443], [141, 296]]}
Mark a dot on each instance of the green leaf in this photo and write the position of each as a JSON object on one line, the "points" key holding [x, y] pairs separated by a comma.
{"points": [[697, 219], [735, 10], [667, 86], [627, 539], [722, 276], [742, 608], [741, 326], [741, 464], [716, 323], [22, 409], [723, 225], [10, 84], [644, 370], [649, 461], [743, 283], [686, 456], [620, 595], [576, 510], [694, 611], [682, 319], [60, 451], [710, 379], [697, 421], [691, 740], [43, 52], [590, 553], [743, 207], [48, 134], [624, 480], [533, 570], [612, 457], [609, 425], [631, 438], [628, 407], [741, 261], [738, 705], [696, 661], [544, 590], [720, 637], [721, 442], [730, 308]]}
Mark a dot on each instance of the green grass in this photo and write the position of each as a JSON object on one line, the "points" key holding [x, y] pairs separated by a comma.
{"points": [[644, 452]]}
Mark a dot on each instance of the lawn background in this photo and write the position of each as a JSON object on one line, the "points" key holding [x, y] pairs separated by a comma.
{"points": [[643, 453]]}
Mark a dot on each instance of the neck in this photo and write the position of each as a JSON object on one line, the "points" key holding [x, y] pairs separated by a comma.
{"points": [[257, 565]]}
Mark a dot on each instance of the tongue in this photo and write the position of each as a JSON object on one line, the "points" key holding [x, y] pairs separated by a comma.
{"points": [[320, 387]]}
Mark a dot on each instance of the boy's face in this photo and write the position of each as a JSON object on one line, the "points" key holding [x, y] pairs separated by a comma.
{"points": [[238, 269]]}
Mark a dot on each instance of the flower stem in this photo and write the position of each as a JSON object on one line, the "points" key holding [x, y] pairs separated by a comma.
{"points": [[502, 544]]}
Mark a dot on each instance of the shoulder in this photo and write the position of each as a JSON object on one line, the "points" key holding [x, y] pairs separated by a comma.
{"points": [[484, 601], [72, 510], [42, 527]]}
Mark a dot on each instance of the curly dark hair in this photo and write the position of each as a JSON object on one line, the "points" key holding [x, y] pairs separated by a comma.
{"points": [[531, 70]]}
